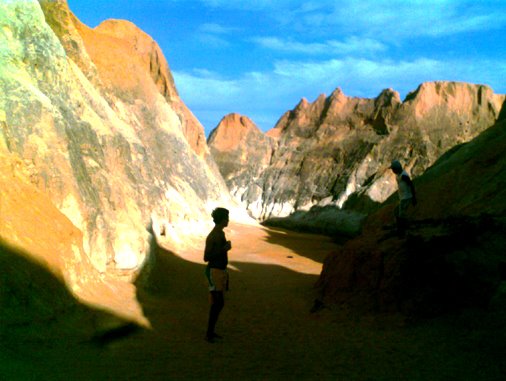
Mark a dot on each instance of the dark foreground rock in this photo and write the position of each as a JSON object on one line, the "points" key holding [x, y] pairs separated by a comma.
{"points": [[452, 254]]}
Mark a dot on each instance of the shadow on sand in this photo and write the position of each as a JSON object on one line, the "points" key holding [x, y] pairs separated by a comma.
{"points": [[45, 332], [270, 334], [268, 331]]}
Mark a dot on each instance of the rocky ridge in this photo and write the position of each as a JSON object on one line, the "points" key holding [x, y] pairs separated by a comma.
{"points": [[334, 153]]}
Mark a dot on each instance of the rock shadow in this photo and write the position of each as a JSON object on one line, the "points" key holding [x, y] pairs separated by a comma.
{"points": [[45, 331], [341, 224], [299, 241]]}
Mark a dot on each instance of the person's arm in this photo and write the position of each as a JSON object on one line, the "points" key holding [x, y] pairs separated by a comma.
{"points": [[208, 251], [408, 181], [228, 246]]}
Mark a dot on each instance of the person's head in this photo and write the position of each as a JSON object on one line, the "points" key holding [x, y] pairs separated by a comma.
{"points": [[396, 167], [220, 216]]}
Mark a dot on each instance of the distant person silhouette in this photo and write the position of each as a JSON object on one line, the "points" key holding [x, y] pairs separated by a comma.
{"points": [[407, 195], [216, 256]]}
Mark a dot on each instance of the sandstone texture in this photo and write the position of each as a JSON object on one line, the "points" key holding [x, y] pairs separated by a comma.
{"points": [[96, 120], [334, 153], [452, 256], [47, 281]]}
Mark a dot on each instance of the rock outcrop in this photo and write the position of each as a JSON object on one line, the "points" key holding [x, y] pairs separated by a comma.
{"points": [[335, 152], [242, 152], [453, 254], [96, 119]]}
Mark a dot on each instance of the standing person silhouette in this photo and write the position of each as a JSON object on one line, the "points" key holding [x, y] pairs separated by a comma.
{"points": [[216, 256], [407, 195]]}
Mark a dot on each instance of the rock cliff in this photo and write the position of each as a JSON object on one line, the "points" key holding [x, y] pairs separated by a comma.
{"points": [[96, 119], [335, 152]]}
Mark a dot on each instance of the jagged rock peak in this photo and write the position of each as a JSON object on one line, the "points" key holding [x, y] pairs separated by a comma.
{"points": [[232, 131], [113, 38], [457, 96], [321, 98], [302, 105], [241, 150], [389, 96], [235, 120], [338, 94], [445, 90]]}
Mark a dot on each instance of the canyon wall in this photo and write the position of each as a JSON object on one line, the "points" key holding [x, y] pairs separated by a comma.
{"points": [[95, 119], [334, 153]]}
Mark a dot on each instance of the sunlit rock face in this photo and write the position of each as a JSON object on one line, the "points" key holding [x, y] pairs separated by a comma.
{"points": [[242, 152], [452, 255], [47, 278], [337, 150], [96, 118]]}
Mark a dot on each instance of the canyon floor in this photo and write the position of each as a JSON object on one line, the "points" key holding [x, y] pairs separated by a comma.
{"points": [[268, 330]]}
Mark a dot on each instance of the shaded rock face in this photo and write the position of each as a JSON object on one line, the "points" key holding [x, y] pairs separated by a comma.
{"points": [[336, 151], [242, 153], [95, 117], [453, 253]]}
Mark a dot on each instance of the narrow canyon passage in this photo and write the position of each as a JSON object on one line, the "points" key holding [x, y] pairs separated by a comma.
{"points": [[267, 328]]}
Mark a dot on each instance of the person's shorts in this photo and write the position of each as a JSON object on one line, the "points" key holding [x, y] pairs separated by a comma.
{"points": [[217, 279]]}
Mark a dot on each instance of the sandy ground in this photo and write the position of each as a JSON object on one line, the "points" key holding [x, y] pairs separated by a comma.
{"points": [[269, 332]]}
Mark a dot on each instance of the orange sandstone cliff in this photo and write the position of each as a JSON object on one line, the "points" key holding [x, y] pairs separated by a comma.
{"points": [[96, 119]]}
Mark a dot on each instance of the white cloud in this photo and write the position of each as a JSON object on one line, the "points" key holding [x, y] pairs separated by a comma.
{"points": [[382, 20], [249, 4], [214, 35], [397, 19], [215, 29], [205, 89], [331, 47], [385, 19], [212, 40]]}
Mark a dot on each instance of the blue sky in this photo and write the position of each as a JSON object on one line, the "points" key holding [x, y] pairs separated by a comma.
{"points": [[259, 58]]}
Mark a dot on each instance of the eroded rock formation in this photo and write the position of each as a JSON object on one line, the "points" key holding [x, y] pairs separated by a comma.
{"points": [[335, 152], [97, 121], [242, 153]]}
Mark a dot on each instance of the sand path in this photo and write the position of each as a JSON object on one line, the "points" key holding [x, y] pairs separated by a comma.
{"points": [[269, 332]]}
